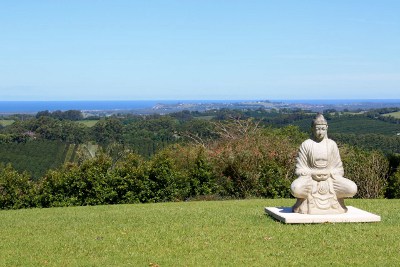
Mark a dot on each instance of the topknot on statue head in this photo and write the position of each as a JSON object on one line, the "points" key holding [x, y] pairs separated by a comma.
{"points": [[319, 120]]}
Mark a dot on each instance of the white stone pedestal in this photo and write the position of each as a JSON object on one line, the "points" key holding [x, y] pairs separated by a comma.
{"points": [[285, 215]]}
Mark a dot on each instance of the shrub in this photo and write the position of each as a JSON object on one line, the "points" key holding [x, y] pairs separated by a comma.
{"points": [[194, 163], [368, 169], [16, 189], [274, 181], [259, 162], [165, 181], [393, 190], [130, 179], [73, 184], [202, 176]]}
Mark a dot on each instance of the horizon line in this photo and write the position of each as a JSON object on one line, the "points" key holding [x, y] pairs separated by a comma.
{"points": [[204, 99]]}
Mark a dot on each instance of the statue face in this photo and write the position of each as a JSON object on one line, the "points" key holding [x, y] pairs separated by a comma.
{"points": [[320, 131]]}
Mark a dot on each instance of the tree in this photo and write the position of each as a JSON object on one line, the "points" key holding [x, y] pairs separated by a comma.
{"points": [[107, 131]]}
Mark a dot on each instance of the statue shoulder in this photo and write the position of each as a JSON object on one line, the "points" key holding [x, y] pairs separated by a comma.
{"points": [[332, 145], [331, 142], [307, 143]]}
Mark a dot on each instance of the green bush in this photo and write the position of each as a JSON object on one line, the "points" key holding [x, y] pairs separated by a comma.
{"points": [[165, 181], [16, 189], [257, 163], [73, 184], [202, 177], [394, 185], [274, 182], [130, 180], [368, 169], [195, 168]]}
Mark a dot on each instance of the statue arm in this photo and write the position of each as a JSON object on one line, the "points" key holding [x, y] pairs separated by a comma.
{"points": [[302, 166], [336, 165]]}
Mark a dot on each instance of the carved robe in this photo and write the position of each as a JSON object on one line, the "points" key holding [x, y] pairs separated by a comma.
{"points": [[315, 156], [320, 186]]}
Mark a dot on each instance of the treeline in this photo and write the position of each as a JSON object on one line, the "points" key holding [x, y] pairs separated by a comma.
{"points": [[244, 161], [45, 128], [72, 115], [144, 134]]}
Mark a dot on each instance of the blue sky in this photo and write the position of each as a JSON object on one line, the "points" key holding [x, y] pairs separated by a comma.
{"points": [[203, 49]]}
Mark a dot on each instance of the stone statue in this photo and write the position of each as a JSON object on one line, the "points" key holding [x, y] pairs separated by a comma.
{"points": [[320, 187]]}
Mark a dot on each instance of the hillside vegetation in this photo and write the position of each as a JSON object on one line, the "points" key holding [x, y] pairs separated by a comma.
{"points": [[130, 159], [358, 125], [36, 157]]}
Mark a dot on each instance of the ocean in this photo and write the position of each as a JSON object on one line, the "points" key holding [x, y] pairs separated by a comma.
{"points": [[35, 106]]}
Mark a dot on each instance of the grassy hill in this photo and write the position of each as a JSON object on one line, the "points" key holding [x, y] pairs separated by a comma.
{"points": [[393, 114], [6, 122], [88, 123], [216, 233]]}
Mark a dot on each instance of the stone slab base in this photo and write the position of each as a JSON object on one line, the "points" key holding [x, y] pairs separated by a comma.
{"points": [[285, 215]]}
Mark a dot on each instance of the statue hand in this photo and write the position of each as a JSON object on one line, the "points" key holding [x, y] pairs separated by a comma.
{"points": [[320, 176]]}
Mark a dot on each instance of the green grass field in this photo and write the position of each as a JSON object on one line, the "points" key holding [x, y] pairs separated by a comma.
{"points": [[88, 123], [394, 114], [216, 233], [6, 122]]}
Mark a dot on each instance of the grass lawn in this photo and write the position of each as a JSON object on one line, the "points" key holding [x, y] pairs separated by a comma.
{"points": [[393, 114], [88, 123], [6, 122], [215, 233]]}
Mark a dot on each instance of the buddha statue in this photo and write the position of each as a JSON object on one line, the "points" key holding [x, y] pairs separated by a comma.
{"points": [[320, 187]]}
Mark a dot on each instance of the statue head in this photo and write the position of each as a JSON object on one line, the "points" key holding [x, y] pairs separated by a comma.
{"points": [[319, 127]]}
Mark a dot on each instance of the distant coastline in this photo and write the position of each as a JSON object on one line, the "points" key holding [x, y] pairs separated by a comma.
{"points": [[341, 101], [32, 107], [35, 106]]}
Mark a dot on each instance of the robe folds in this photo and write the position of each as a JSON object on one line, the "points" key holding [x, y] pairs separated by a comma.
{"points": [[306, 161]]}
